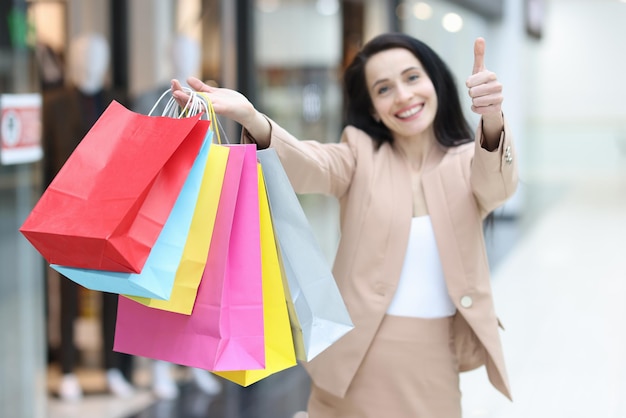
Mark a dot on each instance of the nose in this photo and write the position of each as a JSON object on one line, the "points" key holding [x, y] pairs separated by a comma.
{"points": [[403, 93]]}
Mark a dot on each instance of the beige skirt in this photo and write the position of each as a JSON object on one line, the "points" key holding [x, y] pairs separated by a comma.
{"points": [[410, 371]]}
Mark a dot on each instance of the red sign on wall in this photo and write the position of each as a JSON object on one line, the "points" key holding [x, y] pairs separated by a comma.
{"points": [[20, 128]]}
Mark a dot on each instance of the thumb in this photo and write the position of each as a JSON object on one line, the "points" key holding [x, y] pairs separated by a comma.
{"points": [[479, 55]]}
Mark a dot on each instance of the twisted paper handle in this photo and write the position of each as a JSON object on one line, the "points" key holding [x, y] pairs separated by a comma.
{"points": [[198, 103]]}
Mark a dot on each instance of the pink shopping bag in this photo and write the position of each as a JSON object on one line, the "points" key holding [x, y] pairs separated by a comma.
{"points": [[225, 330]]}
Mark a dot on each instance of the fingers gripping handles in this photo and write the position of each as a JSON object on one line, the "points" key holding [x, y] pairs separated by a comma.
{"points": [[197, 103]]}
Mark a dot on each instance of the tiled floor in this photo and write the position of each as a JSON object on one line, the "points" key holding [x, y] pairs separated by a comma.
{"points": [[278, 396], [559, 283]]}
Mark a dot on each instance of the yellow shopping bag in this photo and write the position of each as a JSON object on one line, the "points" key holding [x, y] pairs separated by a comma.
{"points": [[279, 349], [194, 258]]}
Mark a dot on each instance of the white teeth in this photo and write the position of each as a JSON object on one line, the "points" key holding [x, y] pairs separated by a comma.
{"points": [[409, 112]]}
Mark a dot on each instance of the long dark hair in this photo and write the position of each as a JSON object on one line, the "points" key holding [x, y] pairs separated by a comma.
{"points": [[451, 127]]}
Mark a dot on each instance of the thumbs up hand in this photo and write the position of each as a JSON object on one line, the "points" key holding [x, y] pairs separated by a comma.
{"points": [[484, 87], [486, 93]]}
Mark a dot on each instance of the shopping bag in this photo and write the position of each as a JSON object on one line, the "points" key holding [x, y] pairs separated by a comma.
{"points": [[108, 203], [279, 348], [225, 329], [196, 248], [318, 313], [156, 280]]}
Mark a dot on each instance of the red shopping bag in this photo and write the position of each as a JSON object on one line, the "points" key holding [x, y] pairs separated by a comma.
{"points": [[107, 205], [225, 330]]}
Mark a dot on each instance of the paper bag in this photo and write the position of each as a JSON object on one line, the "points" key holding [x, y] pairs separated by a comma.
{"points": [[318, 313], [107, 205], [279, 348], [225, 329], [156, 280], [196, 249]]}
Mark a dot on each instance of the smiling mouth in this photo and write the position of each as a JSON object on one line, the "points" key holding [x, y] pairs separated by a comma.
{"points": [[410, 112]]}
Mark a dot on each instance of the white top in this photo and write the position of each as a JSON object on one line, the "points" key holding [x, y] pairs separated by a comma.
{"points": [[422, 291]]}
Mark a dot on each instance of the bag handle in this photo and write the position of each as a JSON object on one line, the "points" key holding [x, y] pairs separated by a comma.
{"points": [[195, 105], [215, 122], [198, 103]]}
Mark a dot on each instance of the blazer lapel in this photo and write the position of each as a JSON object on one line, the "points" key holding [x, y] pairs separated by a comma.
{"points": [[439, 210]]}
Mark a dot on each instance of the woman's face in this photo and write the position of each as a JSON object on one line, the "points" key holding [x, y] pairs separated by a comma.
{"points": [[403, 95]]}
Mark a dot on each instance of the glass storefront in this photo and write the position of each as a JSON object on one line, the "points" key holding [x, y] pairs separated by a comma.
{"points": [[298, 83], [22, 345]]}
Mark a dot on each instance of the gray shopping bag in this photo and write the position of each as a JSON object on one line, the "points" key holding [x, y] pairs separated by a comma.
{"points": [[317, 311]]}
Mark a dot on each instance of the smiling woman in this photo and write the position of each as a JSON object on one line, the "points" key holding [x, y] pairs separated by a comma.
{"points": [[414, 188], [449, 125], [403, 96]]}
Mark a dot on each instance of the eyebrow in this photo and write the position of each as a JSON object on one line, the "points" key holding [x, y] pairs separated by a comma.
{"points": [[382, 80]]}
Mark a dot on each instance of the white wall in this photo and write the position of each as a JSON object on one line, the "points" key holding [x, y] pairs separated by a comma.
{"points": [[582, 61], [576, 91]]}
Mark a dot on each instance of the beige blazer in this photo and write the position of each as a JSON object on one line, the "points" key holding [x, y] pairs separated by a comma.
{"points": [[461, 185]]}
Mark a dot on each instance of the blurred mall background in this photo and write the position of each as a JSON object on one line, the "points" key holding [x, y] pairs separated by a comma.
{"points": [[562, 64]]}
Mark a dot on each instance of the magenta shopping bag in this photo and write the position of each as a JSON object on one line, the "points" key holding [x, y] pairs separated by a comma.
{"points": [[225, 330]]}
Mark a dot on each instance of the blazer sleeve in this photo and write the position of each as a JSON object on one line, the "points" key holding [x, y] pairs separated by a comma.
{"points": [[312, 166], [493, 174]]}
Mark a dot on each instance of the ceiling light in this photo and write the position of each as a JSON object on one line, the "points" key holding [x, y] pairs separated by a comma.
{"points": [[423, 11], [452, 22]]}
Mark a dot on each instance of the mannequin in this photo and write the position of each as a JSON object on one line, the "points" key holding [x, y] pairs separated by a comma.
{"points": [[185, 55], [68, 113]]}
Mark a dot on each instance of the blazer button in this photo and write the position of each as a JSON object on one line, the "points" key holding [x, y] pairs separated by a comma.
{"points": [[467, 302], [507, 155]]}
